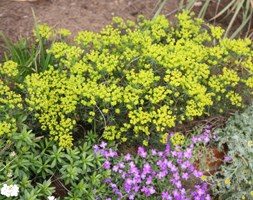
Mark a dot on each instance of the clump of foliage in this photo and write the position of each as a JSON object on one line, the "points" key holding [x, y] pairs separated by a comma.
{"points": [[165, 174], [137, 79], [33, 167], [235, 178]]}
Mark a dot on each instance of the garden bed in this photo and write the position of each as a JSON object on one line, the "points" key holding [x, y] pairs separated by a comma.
{"points": [[135, 110]]}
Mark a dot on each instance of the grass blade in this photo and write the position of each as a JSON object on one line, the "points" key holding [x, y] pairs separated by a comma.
{"points": [[202, 12], [233, 18], [159, 10], [239, 29], [190, 4], [223, 10]]}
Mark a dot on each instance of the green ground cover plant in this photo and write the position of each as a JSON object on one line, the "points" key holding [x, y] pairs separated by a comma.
{"points": [[33, 166], [157, 174], [235, 179]]}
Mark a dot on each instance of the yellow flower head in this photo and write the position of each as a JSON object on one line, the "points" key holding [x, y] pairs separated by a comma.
{"points": [[227, 181], [203, 178]]}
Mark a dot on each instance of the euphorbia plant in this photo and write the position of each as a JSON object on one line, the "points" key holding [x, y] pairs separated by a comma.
{"points": [[134, 79]]}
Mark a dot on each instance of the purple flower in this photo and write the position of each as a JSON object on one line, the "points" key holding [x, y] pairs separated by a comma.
{"points": [[112, 153], [207, 131], [96, 148], [131, 164], [176, 176], [185, 164], [136, 188], [147, 168], [133, 170], [175, 193], [127, 185], [145, 190], [174, 153], [208, 197], [160, 153], [115, 168], [227, 159], [123, 175], [194, 139], [152, 190], [200, 191], [185, 175], [127, 157], [149, 180], [131, 197], [121, 165], [197, 173], [161, 164], [179, 161], [143, 176], [107, 164], [113, 185], [214, 136], [162, 174], [153, 152], [183, 191], [188, 153], [142, 152], [107, 180], [103, 144], [169, 164], [178, 184], [173, 168], [166, 196], [206, 139], [104, 153], [180, 154]]}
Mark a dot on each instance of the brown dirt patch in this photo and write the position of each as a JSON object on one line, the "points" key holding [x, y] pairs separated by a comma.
{"points": [[16, 15]]}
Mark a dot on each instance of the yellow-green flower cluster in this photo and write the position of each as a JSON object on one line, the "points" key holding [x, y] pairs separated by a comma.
{"points": [[140, 79], [46, 32], [10, 104], [177, 139], [9, 68], [53, 97], [216, 31], [69, 55]]}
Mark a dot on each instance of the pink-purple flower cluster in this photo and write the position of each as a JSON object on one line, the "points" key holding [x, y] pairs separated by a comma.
{"points": [[164, 175]]}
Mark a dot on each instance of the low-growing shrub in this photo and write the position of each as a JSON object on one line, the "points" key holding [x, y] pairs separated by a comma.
{"points": [[32, 167], [138, 79], [235, 178]]}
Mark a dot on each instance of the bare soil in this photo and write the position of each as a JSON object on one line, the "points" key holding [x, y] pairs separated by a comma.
{"points": [[16, 17]]}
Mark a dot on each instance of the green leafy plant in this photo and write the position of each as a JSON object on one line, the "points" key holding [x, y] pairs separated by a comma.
{"points": [[235, 178], [30, 55], [32, 167]]}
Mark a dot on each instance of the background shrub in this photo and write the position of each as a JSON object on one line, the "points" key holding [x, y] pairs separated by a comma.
{"points": [[132, 80]]}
